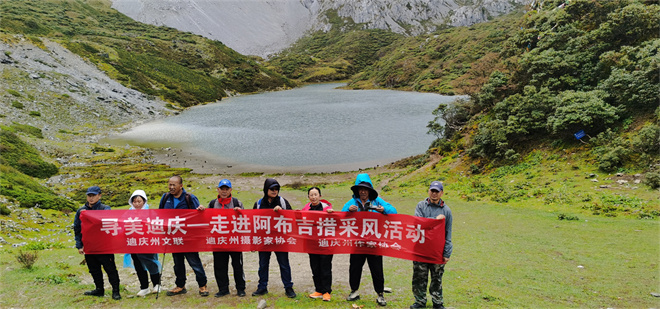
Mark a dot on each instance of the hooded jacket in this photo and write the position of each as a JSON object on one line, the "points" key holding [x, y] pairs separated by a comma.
{"points": [[363, 180], [263, 203], [141, 194]]}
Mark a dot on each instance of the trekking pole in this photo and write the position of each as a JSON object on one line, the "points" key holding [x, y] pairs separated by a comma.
{"points": [[162, 265]]}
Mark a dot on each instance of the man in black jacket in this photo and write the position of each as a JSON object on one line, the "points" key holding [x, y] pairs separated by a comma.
{"points": [[95, 261], [272, 200]]}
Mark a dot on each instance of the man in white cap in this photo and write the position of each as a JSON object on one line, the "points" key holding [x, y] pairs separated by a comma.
{"points": [[432, 207]]}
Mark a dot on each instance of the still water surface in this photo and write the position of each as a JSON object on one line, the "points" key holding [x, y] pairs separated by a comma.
{"points": [[315, 128]]}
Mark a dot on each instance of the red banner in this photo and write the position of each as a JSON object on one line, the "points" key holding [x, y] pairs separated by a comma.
{"points": [[174, 230]]}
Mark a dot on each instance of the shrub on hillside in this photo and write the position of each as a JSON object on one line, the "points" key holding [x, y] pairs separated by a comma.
{"points": [[24, 157], [28, 192], [647, 139], [45, 201], [652, 179], [17, 104], [27, 258], [613, 159], [28, 129]]}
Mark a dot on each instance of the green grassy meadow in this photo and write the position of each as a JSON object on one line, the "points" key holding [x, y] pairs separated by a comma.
{"points": [[504, 257]]}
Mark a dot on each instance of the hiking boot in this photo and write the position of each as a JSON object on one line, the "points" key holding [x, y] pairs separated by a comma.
{"points": [[381, 300], [223, 293], [204, 291], [176, 291], [289, 293], [438, 306], [241, 293], [417, 305], [115, 295], [326, 297], [156, 288], [143, 292], [260, 292], [95, 292], [316, 295], [353, 296]]}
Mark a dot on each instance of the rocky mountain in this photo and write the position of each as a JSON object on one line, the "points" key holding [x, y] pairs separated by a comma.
{"points": [[264, 27], [51, 88]]}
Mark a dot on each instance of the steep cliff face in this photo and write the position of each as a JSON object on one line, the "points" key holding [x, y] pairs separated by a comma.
{"points": [[263, 27]]}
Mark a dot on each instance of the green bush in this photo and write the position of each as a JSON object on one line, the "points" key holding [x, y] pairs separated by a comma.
{"points": [[4, 210], [27, 258], [35, 114], [17, 104], [647, 139], [102, 149], [613, 159], [24, 157], [652, 179], [40, 245], [36, 132], [14, 93]]}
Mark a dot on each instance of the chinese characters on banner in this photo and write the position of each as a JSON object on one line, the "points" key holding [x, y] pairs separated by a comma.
{"points": [[168, 230]]}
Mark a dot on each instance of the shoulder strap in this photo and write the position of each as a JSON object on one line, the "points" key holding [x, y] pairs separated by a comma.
{"points": [[163, 200], [234, 202], [282, 203], [259, 204], [188, 203]]}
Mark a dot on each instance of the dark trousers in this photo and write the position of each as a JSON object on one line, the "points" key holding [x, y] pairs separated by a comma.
{"points": [[141, 265], [285, 269], [221, 270], [107, 261], [375, 266], [180, 268], [321, 265]]}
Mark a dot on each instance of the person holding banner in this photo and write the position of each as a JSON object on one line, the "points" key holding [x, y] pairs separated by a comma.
{"points": [[432, 207], [144, 262], [365, 198], [178, 198], [96, 261], [321, 264], [221, 258], [272, 200]]}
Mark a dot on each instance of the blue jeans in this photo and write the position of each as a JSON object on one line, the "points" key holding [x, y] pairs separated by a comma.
{"points": [[285, 269], [180, 268]]}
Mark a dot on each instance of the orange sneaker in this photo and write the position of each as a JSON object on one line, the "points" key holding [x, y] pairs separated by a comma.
{"points": [[316, 295], [326, 297]]}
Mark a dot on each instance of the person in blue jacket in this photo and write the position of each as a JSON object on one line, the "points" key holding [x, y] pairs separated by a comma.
{"points": [[178, 198], [365, 198]]}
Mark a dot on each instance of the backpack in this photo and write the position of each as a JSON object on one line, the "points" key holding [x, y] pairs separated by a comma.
{"points": [[167, 196], [282, 203]]}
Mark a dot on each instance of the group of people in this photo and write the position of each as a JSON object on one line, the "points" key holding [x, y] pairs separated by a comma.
{"points": [[365, 198]]}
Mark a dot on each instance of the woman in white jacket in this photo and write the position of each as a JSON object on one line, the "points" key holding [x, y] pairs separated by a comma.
{"points": [[145, 262]]}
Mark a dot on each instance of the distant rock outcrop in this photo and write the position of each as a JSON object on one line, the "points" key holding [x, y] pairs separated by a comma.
{"points": [[67, 92], [265, 27]]}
